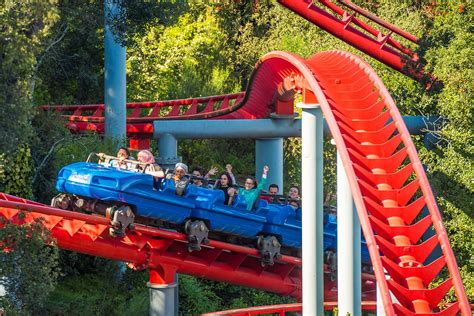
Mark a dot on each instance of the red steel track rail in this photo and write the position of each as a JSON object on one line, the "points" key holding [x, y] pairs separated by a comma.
{"points": [[258, 102], [348, 27], [141, 115], [387, 180], [281, 309], [155, 249], [164, 252]]}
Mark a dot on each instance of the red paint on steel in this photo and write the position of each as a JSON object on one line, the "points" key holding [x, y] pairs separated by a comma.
{"points": [[385, 174], [365, 38], [164, 252], [282, 309], [147, 112], [379, 159], [341, 82], [379, 21], [257, 101]]}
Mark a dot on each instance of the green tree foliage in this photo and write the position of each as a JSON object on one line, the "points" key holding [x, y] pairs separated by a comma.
{"points": [[24, 36], [450, 166], [18, 173], [178, 61], [71, 71], [60, 150], [217, 153], [28, 267], [98, 289], [198, 296]]}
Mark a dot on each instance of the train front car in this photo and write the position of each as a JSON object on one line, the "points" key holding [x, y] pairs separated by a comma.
{"points": [[124, 196], [127, 196]]}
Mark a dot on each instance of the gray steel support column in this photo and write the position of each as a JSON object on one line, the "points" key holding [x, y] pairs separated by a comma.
{"points": [[163, 299], [168, 147], [357, 262], [348, 248], [114, 79], [269, 151], [312, 202]]}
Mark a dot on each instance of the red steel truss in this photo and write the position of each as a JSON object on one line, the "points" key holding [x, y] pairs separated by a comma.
{"points": [[282, 309], [259, 102], [163, 252], [347, 26], [387, 180]]}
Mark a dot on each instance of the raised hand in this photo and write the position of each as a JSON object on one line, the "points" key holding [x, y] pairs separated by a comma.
{"points": [[228, 168], [212, 171], [265, 169]]}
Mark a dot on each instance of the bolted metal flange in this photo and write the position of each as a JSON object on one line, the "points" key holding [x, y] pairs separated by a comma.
{"points": [[197, 232], [269, 248], [121, 219]]}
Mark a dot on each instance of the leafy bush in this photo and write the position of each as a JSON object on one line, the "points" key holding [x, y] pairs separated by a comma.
{"points": [[28, 266]]}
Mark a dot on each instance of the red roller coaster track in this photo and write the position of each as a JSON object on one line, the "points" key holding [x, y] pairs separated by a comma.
{"points": [[378, 44], [387, 180], [340, 23], [162, 251], [165, 253]]}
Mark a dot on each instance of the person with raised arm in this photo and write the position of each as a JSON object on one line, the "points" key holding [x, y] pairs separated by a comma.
{"points": [[252, 189]]}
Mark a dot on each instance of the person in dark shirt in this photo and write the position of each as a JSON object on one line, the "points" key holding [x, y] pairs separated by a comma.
{"points": [[272, 191], [225, 183]]}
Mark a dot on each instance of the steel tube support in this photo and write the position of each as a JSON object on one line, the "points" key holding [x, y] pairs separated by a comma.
{"points": [[168, 147], [348, 248], [255, 129], [270, 152], [114, 78], [357, 262], [345, 253], [163, 287], [163, 299], [312, 202]]}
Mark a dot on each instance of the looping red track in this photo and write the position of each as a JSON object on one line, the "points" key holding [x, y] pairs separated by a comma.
{"points": [[387, 180], [347, 26]]}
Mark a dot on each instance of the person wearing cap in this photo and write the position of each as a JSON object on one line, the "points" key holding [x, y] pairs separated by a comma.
{"points": [[180, 170]]}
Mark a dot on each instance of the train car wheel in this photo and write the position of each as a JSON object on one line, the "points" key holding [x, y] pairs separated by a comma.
{"points": [[197, 234], [269, 248], [121, 219], [61, 201]]}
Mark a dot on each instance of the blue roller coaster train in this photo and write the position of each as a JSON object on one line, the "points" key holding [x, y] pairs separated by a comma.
{"points": [[126, 196]]}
